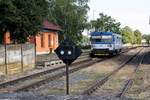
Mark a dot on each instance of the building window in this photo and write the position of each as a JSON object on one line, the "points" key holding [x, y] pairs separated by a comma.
{"points": [[49, 40], [42, 40]]}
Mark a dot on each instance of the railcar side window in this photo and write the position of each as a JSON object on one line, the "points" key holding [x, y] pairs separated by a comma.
{"points": [[103, 39]]}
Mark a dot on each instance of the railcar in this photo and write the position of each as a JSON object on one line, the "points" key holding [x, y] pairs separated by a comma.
{"points": [[105, 43]]}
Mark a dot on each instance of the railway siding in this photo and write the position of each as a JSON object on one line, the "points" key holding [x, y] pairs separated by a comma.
{"points": [[27, 81], [107, 79], [84, 78], [120, 79], [141, 88], [45, 66]]}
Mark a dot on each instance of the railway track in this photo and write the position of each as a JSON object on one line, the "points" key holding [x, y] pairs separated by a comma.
{"points": [[54, 77], [24, 83], [31, 81], [130, 81], [48, 61], [101, 82], [55, 61]]}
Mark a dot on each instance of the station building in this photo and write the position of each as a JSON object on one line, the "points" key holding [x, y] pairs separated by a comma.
{"points": [[46, 40]]}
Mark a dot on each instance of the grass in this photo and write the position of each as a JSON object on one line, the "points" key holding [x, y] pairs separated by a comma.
{"points": [[82, 85], [141, 87], [14, 68], [53, 90], [115, 83]]}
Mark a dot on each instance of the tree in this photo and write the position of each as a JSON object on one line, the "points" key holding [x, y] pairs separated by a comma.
{"points": [[147, 38], [22, 18], [127, 34], [85, 41], [138, 36], [106, 23], [71, 15]]}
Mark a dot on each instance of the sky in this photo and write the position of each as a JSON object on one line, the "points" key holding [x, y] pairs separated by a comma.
{"points": [[132, 13]]}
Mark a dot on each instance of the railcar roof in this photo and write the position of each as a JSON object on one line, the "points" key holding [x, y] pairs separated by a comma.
{"points": [[103, 33]]}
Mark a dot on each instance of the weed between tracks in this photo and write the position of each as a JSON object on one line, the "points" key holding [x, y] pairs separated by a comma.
{"points": [[93, 73], [82, 84], [141, 87], [79, 81], [53, 90], [113, 85]]}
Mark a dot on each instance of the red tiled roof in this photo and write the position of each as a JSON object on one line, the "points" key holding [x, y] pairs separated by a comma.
{"points": [[50, 26]]}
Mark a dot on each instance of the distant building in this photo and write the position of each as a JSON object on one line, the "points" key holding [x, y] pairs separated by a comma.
{"points": [[143, 42], [6, 38], [46, 40]]}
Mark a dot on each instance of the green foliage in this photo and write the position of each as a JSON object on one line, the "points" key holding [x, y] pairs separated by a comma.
{"points": [[147, 38], [138, 36], [22, 17], [85, 40], [127, 34], [71, 15], [130, 36], [106, 23]]}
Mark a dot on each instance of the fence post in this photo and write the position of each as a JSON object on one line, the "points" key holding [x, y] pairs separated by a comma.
{"points": [[6, 71], [21, 58], [35, 48]]}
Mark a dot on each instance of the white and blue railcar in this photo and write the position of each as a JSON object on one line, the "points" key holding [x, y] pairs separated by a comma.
{"points": [[105, 43]]}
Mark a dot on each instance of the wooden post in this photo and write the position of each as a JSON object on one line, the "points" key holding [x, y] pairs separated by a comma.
{"points": [[21, 58], [35, 48], [6, 71]]}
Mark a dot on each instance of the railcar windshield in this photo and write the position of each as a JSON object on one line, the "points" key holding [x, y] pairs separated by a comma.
{"points": [[102, 39]]}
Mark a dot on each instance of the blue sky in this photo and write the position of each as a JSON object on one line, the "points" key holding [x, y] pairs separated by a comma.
{"points": [[133, 13]]}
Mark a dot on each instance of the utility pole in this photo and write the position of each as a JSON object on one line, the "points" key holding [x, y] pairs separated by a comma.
{"points": [[94, 14], [66, 19], [149, 20], [93, 19], [132, 38], [149, 24]]}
